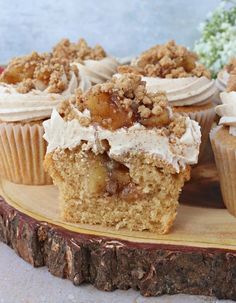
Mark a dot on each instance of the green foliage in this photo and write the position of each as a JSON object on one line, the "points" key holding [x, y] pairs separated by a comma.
{"points": [[218, 37]]}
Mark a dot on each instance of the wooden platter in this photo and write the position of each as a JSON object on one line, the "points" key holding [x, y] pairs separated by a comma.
{"points": [[198, 256]]}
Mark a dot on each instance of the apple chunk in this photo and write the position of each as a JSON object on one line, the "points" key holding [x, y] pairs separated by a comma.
{"points": [[106, 112]]}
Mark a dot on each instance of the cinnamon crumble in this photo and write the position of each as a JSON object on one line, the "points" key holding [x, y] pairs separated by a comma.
{"points": [[77, 51], [122, 102], [39, 71], [231, 66], [167, 61], [231, 69]]}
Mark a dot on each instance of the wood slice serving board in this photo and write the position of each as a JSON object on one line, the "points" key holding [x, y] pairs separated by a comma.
{"points": [[198, 256]]}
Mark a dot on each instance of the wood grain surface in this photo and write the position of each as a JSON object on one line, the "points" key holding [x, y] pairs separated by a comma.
{"points": [[197, 257]]}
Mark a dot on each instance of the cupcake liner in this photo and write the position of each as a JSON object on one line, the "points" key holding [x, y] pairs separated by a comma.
{"points": [[22, 151], [205, 118], [225, 158]]}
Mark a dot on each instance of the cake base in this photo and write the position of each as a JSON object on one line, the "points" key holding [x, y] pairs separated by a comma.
{"points": [[197, 257]]}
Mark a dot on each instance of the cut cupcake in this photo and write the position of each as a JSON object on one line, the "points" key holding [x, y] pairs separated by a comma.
{"points": [[93, 63], [120, 156], [30, 87], [187, 83]]}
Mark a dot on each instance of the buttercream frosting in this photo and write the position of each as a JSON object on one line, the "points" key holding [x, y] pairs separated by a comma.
{"points": [[183, 91], [175, 151], [37, 104], [222, 80], [227, 111], [98, 71]]}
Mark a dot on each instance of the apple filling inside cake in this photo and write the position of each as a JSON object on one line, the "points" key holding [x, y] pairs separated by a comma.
{"points": [[120, 156]]}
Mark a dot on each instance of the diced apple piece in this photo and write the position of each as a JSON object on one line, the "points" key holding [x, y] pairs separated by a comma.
{"points": [[130, 192], [122, 176], [97, 177], [99, 105], [16, 74], [157, 121], [105, 112], [189, 63]]}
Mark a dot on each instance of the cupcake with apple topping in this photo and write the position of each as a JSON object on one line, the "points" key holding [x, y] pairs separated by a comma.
{"points": [[120, 156], [30, 87], [94, 63], [187, 83], [223, 140]]}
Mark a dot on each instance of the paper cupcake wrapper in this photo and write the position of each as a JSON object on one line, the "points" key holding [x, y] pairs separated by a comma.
{"points": [[225, 158], [22, 151], [205, 118]]}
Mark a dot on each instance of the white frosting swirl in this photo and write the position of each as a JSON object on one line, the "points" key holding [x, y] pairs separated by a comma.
{"points": [[174, 151], [183, 91], [98, 71], [37, 104], [227, 111], [222, 80]]}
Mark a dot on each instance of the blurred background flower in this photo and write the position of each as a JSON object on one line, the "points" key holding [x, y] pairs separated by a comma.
{"points": [[217, 44]]}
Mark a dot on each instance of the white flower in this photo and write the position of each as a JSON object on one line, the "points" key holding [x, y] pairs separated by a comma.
{"points": [[218, 38]]}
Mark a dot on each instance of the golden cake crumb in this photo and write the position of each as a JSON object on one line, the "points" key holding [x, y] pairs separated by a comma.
{"points": [[167, 61], [97, 190], [38, 71], [77, 51]]}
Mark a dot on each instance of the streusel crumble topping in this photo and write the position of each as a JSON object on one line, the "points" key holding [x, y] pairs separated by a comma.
{"points": [[122, 102], [231, 69], [39, 71], [167, 61], [78, 51]]}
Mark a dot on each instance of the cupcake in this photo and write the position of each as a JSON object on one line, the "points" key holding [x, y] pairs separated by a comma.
{"points": [[226, 78], [30, 87], [120, 156], [93, 63], [187, 83], [223, 140]]}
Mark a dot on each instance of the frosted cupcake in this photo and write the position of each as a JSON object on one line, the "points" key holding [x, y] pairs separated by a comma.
{"points": [[120, 156], [94, 63], [223, 140], [187, 83], [30, 87]]}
